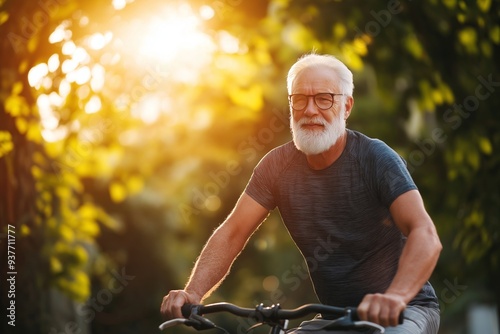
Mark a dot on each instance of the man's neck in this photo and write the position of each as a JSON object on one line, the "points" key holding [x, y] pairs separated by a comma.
{"points": [[327, 158]]}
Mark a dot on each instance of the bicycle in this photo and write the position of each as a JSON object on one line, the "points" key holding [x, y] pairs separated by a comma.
{"points": [[273, 316]]}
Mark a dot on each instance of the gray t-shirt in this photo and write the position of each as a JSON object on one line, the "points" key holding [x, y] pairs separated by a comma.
{"points": [[339, 217]]}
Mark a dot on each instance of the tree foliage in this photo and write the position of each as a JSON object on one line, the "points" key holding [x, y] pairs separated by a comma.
{"points": [[122, 136]]}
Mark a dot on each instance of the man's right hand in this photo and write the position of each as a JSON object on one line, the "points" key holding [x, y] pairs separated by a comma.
{"points": [[172, 303]]}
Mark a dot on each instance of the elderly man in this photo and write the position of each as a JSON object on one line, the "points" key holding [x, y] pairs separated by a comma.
{"points": [[338, 185]]}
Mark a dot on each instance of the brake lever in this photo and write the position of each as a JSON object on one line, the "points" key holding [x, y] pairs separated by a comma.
{"points": [[196, 321], [199, 323], [173, 322]]}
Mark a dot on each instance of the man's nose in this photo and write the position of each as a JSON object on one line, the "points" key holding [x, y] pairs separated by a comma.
{"points": [[311, 108]]}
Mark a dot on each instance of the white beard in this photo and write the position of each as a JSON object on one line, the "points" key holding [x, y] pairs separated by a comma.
{"points": [[317, 141]]}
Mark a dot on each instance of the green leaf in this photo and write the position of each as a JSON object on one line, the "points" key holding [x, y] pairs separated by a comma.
{"points": [[485, 145], [484, 5]]}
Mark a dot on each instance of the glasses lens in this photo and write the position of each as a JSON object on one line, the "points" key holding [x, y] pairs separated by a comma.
{"points": [[323, 101], [298, 101]]}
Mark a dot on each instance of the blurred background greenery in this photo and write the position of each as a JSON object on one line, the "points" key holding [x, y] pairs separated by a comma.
{"points": [[128, 129]]}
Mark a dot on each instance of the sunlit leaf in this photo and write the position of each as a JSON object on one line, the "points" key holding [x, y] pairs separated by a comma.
{"points": [[352, 59], [89, 228], [66, 233], [108, 221], [32, 43], [55, 265], [484, 5], [450, 3], [55, 149], [117, 191], [495, 34], [458, 156], [437, 96], [486, 48], [447, 93], [63, 192], [21, 125], [485, 145], [73, 181], [4, 16], [339, 30], [76, 285], [414, 46], [468, 38], [250, 97], [87, 211], [17, 88], [25, 230], [16, 105], [359, 46], [80, 254], [473, 159], [300, 37], [6, 144], [33, 132], [134, 184]]}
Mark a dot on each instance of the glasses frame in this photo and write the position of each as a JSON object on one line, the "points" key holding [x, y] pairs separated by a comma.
{"points": [[314, 99]]}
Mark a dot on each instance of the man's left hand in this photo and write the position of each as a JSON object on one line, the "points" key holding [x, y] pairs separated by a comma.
{"points": [[383, 309]]}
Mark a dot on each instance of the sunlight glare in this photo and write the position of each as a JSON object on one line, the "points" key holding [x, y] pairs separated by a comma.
{"points": [[175, 40], [55, 99], [55, 135], [51, 131], [53, 62], [60, 33], [148, 109], [228, 43], [176, 36], [82, 75], [94, 105], [64, 88], [81, 55], [68, 48], [68, 66], [36, 75], [57, 35], [98, 41], [119, 4], [83, 92], [202, 119], [206, 12], [98, 75]]}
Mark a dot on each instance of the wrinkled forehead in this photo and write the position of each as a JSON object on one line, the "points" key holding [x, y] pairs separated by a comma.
{"points": [[315, 78]]}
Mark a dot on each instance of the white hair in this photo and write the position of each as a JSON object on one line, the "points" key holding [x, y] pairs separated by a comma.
{"points": [[344, 75]]}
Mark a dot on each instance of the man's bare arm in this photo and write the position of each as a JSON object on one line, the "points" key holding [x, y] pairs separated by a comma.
{"points": [[417, 262], [216, 258]]}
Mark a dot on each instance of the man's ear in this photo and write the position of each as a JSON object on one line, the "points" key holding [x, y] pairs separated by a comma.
{"points": [[349, 103]]}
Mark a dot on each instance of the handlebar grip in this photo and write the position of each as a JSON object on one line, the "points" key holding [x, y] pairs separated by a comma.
{"points": [[401, 318], [186, 310], [355, 316]]}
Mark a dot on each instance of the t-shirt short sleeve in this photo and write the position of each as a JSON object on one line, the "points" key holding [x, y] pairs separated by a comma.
{"points": [[260, 185], [265, 176], [386, 172]]}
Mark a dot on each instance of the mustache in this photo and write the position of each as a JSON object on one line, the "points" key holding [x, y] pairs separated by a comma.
{"points": [[312, 121]]}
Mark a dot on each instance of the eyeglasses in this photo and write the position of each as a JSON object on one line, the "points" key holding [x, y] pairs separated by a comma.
{"points": [[323, 101]]}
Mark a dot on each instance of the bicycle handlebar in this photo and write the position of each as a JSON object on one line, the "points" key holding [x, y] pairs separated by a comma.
{"points": [[345, 317], [272, 313]]}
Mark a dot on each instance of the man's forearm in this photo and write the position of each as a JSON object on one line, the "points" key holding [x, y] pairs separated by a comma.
{"points": [[417, 262], [214, 262]]}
